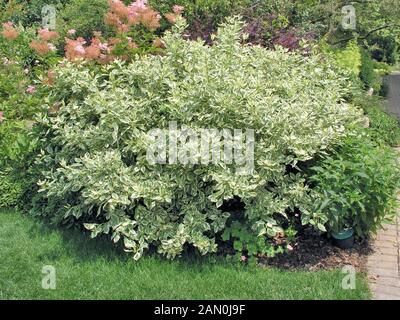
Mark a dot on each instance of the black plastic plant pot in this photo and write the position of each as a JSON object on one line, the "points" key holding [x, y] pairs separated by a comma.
{"points": [[343, 239]]}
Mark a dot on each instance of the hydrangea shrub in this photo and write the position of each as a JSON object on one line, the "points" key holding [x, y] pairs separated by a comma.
{"points": [[94, 137]]}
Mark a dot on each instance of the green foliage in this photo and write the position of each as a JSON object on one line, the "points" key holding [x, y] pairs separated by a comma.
{"points": [[18, 50], [349, 57], [16, 148], [11, 10], [94, 156], [356, 185], [384, 49], [246, 242], [248, 246], [197, 9], [368, 76], [33, 10], [383, 126], [13, 142], [15, 101], [83, 16], [10, 189], [382, 68], [28, 12], [204, 16], [373, 18]]}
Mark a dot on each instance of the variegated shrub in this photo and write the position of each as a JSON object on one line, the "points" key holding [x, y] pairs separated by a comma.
{"points": [[95, 140]]}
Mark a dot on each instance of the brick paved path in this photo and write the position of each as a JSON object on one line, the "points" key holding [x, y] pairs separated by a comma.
{"points": [[384, 263]]}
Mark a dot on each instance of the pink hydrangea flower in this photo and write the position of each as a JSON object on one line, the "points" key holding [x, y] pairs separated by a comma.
{"points": [[31, 89], [71, 31]]}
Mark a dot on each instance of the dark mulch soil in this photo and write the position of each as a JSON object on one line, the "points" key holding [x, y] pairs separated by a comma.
{"points": [[313, 252]]}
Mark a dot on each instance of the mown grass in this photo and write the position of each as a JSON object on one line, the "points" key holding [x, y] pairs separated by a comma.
{"points": [[94, 269]]}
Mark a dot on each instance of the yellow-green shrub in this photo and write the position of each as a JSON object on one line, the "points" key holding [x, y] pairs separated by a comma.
{"points": [[349, 57]]}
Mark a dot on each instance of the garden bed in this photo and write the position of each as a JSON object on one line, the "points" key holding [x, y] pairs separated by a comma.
{"points": [[315, 252]]}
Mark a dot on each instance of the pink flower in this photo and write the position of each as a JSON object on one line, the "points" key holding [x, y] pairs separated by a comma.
{"points": [[80, 49], [177, 9], [136, 6], [9, 31], [71, 31], [52, 47], [243, 258], [289, 247], [103, 46], [8, 25], [81, 40], [31, 89], [1, 116], [47, 35]]}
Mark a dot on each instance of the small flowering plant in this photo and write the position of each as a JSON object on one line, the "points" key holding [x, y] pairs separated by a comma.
{"points": [[14, 42], [135, 32], [135, 27], [9, 31], [45, 43], [26, 55], [19, 98]]}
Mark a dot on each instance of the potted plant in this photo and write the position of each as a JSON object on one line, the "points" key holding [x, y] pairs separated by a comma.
{"points": [[341, 229]]}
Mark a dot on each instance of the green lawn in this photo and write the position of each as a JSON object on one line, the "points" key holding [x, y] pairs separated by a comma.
{"points": [[93, 269]]}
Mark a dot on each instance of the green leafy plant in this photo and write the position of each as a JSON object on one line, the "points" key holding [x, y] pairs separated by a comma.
{"points": [[244, 240], [11, 10], [356, 185], [84, 17], [248, 246], [349, 57], [19, 94], [384, 48], [368, 76], [382, 126], [10, 189], [28, 12]]}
